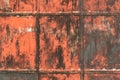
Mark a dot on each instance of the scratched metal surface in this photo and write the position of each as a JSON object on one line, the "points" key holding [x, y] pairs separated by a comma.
{"points": [[59, 39]]}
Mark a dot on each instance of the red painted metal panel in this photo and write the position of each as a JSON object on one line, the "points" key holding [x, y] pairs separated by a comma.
{"points": [[59, 46], [17, 43], [57, 38], [102, 47], [17, 5], [101, 5], [58, 5]]}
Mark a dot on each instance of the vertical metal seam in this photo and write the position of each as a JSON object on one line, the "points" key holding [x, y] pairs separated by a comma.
{"points": [[37, 40], [37, 46], [81, 54]]}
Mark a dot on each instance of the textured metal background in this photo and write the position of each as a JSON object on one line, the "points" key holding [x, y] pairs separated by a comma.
{"points": [[59, 39]]}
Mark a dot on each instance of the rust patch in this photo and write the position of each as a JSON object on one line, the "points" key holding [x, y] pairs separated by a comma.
{"points": [[102, 76], [17, 5], [59, 46], [101, 5], [17, 43], [101, 42], [58, 6]]}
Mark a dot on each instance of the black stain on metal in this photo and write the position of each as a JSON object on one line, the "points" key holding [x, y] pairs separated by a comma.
{"points": [[59, 52], [46, 1], [17, 48], [7, 30], [68, 25], [10, 61]]}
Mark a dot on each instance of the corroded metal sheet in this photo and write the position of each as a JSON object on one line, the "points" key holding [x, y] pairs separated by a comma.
{"points": [[60, 77], [58, 5], [17, 43], [102, 42], [59, 45], [102, 5], [17, 5], [102, 77], [17, 76]]}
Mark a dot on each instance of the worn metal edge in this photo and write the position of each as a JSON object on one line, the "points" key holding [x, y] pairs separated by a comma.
{"points": [[76, 13]]}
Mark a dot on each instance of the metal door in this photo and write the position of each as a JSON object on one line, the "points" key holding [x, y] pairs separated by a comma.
{"points": [[59, 39]]}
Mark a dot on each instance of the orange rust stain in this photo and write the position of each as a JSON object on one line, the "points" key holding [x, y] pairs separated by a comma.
{"points": [[17, 43]]}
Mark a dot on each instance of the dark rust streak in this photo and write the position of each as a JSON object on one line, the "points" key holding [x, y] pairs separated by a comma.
{"points": [[60, 72], [80, 33], [37, 46], [68, 25], [77, 13], [17, 48], [60, 58], [8, 30]]}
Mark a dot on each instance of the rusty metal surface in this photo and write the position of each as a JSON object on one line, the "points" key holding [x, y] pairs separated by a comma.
{"points": [[102, 76], [101, 41], [60, 77], [58, 6], [101, 5], [59, 39], [17, 43], [17, 5], [59, 42]]}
